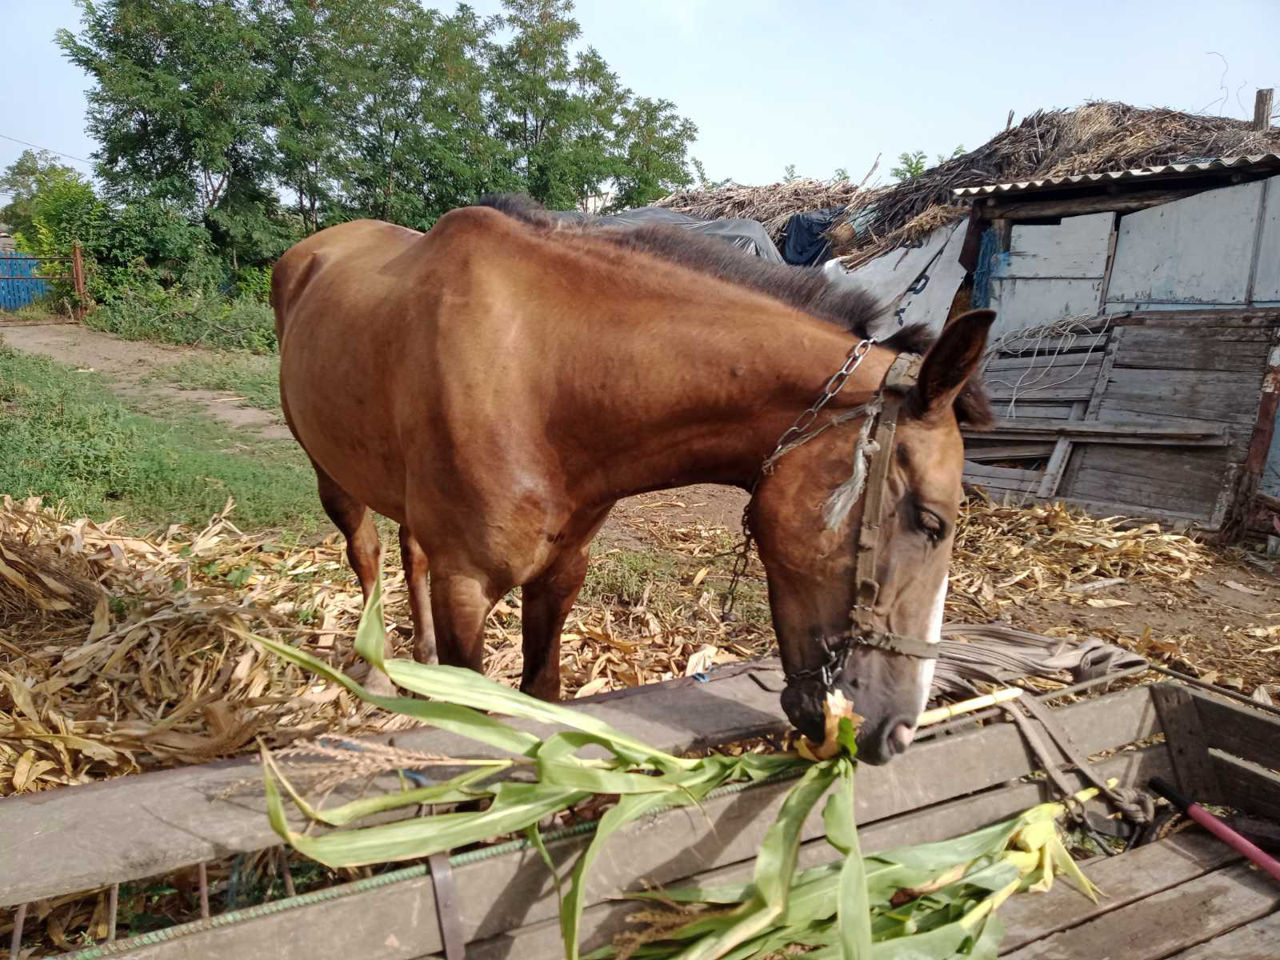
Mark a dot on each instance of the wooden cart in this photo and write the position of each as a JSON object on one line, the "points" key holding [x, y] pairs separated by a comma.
{"points": [[1186, 896]]}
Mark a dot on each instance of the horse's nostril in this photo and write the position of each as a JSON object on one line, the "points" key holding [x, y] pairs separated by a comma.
{"points": [[901, 737]]}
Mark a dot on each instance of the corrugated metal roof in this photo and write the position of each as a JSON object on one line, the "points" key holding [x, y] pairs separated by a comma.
{"points": [[1201, 165]]}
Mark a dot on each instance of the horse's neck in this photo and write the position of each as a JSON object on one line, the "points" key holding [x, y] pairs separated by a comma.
{"points": [[708, 402]]}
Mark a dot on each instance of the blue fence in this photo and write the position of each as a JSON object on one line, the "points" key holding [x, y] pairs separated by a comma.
{"points": [[19, 280]]}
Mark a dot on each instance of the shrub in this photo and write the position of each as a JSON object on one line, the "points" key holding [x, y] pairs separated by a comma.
{"points": [[147, 311]]}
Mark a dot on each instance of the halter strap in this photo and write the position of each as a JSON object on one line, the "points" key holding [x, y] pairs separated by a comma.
{"points": [[902, 374]]}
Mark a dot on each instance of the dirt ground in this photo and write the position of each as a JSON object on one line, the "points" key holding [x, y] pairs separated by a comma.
{"points": [[1240, 593], [130, 364]]}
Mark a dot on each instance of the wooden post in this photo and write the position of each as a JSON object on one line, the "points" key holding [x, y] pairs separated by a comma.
{"points": [[1262, 108], [77, 274]]}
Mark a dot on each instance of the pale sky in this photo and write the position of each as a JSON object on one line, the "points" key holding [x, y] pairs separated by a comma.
{"points": [[823, 84]]}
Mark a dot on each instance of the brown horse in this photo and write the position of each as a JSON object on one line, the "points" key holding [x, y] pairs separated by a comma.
{"points": [[497, 384]]}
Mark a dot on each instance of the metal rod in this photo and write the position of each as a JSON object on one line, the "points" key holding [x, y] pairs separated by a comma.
{"points": [[15, 942], [113, 909], [1219, 829], [203, 873], [286, 872]]}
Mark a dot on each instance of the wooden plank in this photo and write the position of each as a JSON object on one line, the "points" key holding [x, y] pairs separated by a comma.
{"points": [[153, 823], [1200, 467], [1007, 451], [1000, 473], [1184, 735], [1246, 785], [1057, 464], [1076, 247], [1200, 317], [1076, 343], [1262, 108], [1195, 250], [1125, 879], [602, 921], [1173, 432], [1001, 478], [1237, 729], [1155, 927], [397, 920], [1079, 206], [1208, 395], [1175, 522], [1040, 362], [1191, 349], [497, 895], [1075, 388], [1253, 941], [1022, 303], [1109, 355], [1036, 410], [1140, 495]]}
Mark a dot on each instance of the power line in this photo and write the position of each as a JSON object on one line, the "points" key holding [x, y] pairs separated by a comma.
{"points": [[27, 143]]}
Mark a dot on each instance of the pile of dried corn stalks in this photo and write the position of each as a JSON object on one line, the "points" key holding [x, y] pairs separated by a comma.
{"points": [[120, 652], [1048, 143]]}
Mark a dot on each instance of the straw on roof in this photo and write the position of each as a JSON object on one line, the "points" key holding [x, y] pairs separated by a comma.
{"points": [[1096, 137]]}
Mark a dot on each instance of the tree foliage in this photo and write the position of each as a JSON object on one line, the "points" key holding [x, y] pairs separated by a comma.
{"points": [[352, 108], [21, 181]]}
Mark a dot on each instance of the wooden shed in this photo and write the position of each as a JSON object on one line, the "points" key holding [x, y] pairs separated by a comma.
{"points": [[1136, 359]]}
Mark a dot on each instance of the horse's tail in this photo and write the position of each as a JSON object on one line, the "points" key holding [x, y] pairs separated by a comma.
{"points": [[288, 278]]}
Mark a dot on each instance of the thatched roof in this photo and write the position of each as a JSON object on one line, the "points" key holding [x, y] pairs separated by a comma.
{"points": [[1048, 143]]}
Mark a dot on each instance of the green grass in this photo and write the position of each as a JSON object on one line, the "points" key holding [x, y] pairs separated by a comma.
{"points": [[64, 436], [256, 378]]}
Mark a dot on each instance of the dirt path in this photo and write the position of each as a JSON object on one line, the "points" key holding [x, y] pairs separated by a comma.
{"points": [[130, 366]]}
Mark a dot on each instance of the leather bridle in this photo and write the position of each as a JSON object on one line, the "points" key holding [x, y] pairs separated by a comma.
{"points": [[885, 408]]}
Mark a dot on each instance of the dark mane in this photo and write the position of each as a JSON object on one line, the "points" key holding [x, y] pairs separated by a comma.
{"points": [[805, 288]]}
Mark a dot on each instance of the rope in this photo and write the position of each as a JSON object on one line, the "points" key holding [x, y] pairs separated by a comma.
{"points": [[1062, 334]]}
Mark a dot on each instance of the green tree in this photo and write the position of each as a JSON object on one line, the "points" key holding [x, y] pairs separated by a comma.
{"points": [[64, 211], [789, 173], [910, 166], [20, 181], [571, 129], [180, 103], [419, 133], [654, 140]]}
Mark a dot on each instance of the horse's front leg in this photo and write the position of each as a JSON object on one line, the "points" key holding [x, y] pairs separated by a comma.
{"points": [[545, 604]]}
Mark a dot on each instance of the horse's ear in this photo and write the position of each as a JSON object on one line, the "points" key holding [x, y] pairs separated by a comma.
{"points": [[952, 360]]}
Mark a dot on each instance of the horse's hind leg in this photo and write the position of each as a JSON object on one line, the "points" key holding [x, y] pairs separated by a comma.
{"points": [[415, 564], [364, 548]]}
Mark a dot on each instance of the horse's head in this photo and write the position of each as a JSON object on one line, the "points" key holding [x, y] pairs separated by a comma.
{"points": [[819, 540]]}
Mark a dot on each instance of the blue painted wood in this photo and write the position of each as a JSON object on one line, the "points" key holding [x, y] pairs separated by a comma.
{"points": [[20, 292]]}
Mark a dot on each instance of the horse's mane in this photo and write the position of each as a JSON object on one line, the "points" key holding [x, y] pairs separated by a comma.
{"points": [[805, 288]]}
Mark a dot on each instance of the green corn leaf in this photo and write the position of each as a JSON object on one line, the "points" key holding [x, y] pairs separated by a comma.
{"points": [[448, 791], [853, 915], [776, 862], [558, 763], [442, 715], [515, 806], [627, 809], [459, 685], [534, 836]]}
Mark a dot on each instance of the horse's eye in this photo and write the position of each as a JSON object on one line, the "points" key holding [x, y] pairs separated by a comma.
{"points": [[932, 525]]}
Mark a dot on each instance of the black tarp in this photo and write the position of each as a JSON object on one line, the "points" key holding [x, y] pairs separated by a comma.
{"points": [[748, 235], [806, 244]]}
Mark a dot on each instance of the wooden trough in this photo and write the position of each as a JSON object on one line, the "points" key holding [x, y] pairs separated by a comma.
{"points": [[1187, 896]]}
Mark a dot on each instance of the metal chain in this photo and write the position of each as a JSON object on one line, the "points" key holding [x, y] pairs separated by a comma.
{"points": [[791, 438]]}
